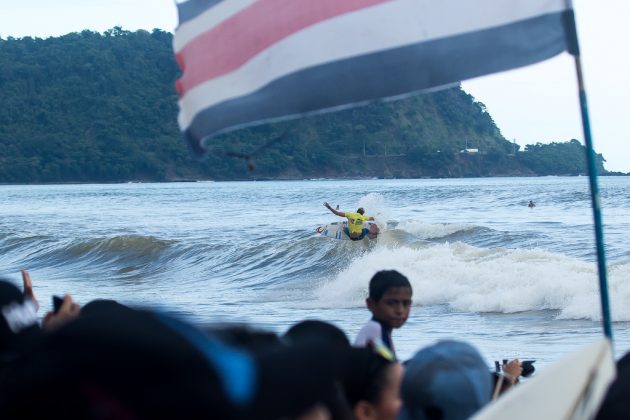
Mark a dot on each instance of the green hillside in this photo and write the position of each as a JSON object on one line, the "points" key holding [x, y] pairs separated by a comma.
{"points": [[90, 107]]}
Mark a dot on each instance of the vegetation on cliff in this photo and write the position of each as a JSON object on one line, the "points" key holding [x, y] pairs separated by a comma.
{"points": [[90, 107]]}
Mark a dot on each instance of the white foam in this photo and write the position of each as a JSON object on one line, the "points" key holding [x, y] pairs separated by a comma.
{"points": [[473, 279], [432, 230], [375, 206]]}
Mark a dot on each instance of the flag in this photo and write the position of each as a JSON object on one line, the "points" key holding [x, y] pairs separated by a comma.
{"points": [[244, 61]]}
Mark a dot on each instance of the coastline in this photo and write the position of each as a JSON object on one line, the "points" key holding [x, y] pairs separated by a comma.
{"points": [[271, 179]]}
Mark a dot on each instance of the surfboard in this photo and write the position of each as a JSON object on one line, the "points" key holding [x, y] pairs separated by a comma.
{"points": [[335, 230]]}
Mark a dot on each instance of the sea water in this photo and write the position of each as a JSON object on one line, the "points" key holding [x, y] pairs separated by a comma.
{"points": [[485, 268]]}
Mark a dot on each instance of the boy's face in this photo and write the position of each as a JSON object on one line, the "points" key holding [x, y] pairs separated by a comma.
{"points": [[393, 308]]}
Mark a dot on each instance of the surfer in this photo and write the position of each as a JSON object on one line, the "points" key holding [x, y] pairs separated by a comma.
{"points": [[531, 204], [355, 229]]}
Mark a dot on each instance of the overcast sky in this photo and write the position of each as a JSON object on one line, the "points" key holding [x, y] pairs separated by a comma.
{"points": [[535, 104]]}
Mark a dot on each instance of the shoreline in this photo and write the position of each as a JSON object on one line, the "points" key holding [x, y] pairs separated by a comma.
{"points": [[266, 179]]}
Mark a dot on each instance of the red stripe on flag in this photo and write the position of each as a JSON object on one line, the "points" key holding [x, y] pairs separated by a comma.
{"points": [[236, 40]]}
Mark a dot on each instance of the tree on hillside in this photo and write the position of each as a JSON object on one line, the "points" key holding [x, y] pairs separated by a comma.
{"points": [[568, 158], [91, 107]]}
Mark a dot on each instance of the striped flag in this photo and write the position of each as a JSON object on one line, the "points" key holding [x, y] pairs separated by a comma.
{"points": [[245, 61]]}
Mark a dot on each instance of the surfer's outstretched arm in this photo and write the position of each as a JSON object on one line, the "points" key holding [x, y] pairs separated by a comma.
{"points": [[338, 213]]}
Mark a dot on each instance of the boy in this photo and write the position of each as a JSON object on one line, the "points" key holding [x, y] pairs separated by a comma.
{"points": [[389, 301]]}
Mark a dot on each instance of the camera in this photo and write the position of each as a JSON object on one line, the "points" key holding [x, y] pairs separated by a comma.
{"points": [[527, 365], [57, 302]]}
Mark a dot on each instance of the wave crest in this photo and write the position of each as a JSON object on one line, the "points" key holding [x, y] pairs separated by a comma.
{"points": [[125, 245], [471, 279]]}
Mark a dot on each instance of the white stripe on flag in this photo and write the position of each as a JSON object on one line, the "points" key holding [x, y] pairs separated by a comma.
{"points": [[207, 20]]}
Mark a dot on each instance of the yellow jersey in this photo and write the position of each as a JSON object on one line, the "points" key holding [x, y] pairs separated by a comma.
{"points": [[355, 222]]}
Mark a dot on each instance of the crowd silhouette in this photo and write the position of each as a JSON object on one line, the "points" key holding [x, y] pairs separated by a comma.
{"points": [[105, 360]]}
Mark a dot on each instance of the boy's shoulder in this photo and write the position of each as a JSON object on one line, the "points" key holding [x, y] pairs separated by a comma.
{"points": [[371, 331]]}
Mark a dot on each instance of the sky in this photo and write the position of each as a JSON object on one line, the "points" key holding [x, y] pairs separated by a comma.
{"points": [[535, 104]]}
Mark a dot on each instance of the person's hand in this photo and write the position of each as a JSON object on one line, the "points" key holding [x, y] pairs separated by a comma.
{"points": [[326, 204], [512, 370], [67, 312], [28, 287]]}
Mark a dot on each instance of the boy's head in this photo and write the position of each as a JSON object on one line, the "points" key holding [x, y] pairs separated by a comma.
{"points": [[316, 332], [389, 298]]}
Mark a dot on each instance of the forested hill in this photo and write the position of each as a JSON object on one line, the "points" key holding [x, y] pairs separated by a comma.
{"points": [[90, 107]]}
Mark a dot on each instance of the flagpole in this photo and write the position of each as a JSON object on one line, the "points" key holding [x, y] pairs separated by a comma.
{"points": [[592, 176]]}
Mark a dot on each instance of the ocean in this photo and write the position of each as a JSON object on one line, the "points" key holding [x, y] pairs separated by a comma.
{"points": [[485, 268]]}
